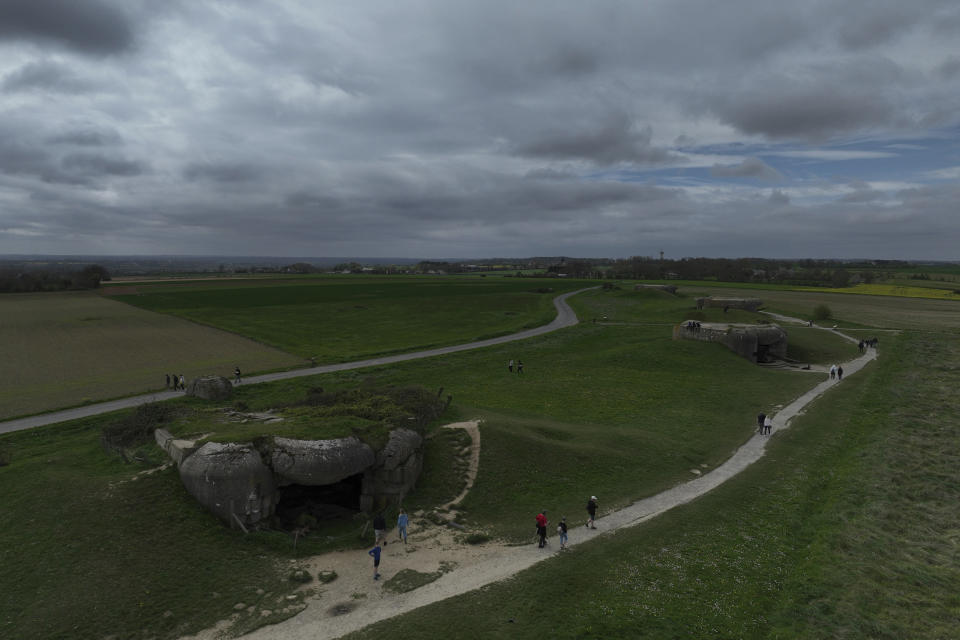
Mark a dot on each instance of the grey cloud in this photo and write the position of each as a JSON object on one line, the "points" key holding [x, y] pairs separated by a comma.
{"points": [[778, 197], [949, 68], [45, 75], [95, 165], [86, 138], [88, 26], [617, 140], [749, 168], [863, 195], [880, 24], [804, 112], [222, 172]]}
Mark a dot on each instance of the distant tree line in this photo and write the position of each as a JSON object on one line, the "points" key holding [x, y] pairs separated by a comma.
{"points": [[28, 281]]}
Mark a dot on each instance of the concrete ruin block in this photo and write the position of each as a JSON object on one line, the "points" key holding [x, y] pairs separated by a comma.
{"points": [[319, 462], [210, 388], [401, 445], [231, 481]]}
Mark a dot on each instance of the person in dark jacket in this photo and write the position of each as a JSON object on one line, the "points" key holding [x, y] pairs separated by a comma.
{"points": [[592, 510]]}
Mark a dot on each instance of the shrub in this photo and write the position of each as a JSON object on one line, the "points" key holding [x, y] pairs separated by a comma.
{"points": [[301, 575], [477, 538], [822, 312], [326, 577], [136, 428]]}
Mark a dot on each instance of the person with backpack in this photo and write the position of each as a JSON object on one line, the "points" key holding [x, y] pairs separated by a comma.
{"points": [[592, 510], [562, 532], [542, 528]]}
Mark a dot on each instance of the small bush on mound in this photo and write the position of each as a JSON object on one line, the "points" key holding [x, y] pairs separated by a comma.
{"points": [[326, 577], [301, 575], [822, 312], [477, 538], [136, 428]]}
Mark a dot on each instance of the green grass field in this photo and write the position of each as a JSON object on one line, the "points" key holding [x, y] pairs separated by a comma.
{"points": [[846, 529], [338, 319], [860, 491], [66, 349]]}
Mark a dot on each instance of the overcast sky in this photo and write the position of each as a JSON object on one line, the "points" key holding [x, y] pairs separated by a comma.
{"points": [[440, 128]]}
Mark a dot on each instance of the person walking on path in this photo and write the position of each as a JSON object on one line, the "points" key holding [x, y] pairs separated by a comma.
{"points": [[833, 371], [767, 425], [592, 510], [379, 528], [839, 374], [860, 346], [375, 552], [542, 528], [519, 366], [562, 532], [168, 381], [236, 375], [760, 418], [510, 366], [402, 526]]}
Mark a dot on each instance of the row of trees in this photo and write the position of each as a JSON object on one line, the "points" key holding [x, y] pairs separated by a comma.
{"points": [[23, 281]]}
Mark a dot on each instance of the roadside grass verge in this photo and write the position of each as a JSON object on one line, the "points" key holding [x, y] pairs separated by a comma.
{"points": [[845, 529], [339, 319]]}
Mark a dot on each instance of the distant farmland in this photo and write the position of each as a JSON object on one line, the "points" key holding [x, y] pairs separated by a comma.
{"points": [[64, 349], [338, 319]]}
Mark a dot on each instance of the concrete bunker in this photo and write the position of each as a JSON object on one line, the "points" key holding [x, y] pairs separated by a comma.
{"points": [[755, 342], [275, 480]]}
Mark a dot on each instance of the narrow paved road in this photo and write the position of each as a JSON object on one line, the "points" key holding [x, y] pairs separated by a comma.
{"points": [[565, 318]]}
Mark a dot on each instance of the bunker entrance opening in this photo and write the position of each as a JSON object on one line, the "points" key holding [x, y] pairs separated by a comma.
{"points": [[323, 503]]}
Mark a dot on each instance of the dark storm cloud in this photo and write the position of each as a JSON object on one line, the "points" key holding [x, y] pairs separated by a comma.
{"points": [[86, 26], [616, 140], [749, 168], [222, 172], [796, 111], [44, 75]]}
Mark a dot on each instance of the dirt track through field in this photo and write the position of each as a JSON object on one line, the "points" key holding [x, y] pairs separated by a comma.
{"points": [[355, 600]]}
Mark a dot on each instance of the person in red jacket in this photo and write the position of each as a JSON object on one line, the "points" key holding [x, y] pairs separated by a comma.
{"points": [[542, 527]]}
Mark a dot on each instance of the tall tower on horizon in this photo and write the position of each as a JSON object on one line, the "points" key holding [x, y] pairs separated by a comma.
{"points": [[661, 255]]}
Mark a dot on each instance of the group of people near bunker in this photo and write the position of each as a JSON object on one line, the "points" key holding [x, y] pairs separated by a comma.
{"points": [[380, 531]]}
